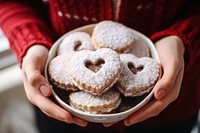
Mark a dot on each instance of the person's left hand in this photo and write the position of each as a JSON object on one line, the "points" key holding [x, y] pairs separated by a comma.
{"points": [[170, 50]]}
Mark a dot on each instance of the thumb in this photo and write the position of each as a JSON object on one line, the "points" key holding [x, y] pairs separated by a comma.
{"points": [[166, 82], [35, 78]]}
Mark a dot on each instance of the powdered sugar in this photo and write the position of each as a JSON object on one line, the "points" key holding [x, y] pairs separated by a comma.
{"points": [[95, 104], [58, 72], [73, 40], [129, 82], [96, 85], [140, 49], [101, 79], [108, 34]]}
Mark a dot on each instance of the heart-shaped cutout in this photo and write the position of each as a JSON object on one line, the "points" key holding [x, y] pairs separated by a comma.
{"points": [[95, 66], [134, 69], [77, 45], [95, 71]]}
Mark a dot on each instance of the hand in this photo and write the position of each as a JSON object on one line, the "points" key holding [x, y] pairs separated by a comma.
{"points": [[38, 89], [170, 50]]}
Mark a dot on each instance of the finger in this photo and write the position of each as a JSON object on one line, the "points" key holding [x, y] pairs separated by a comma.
{"points": [[40, 83], [156, 106], [79, 121], [45, 104], [171, 61], [150, 110], [49, 107], [59, 113], [166, 82], [36, 80], [170, 69], [108, 124], [33, 69]]}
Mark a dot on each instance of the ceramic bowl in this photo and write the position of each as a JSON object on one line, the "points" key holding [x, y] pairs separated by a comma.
{"points": [[133, 103]]}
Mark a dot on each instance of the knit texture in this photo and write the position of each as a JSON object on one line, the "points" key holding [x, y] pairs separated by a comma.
{"points": [[143, 16], [23, 28], [186, 29], [67, 15]]}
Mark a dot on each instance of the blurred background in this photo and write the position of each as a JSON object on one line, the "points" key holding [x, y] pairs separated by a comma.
{"points": [[16, 114]]}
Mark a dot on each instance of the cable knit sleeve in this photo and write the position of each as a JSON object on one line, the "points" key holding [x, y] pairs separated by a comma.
{"points": [[23, 27], [188, 29]]}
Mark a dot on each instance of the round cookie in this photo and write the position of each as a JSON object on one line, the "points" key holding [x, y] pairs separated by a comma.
{"points": [[109, 34], [108, 69], [138, 75], [103, 104], [58, 73], [75, 42]]}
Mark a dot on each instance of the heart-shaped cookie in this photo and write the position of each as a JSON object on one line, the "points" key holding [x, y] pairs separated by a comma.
{"points": [[138, 75], [99, 79]]}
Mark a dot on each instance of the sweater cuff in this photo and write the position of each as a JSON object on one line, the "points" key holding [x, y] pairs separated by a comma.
{"points": [[184, 30], [26, 35]]}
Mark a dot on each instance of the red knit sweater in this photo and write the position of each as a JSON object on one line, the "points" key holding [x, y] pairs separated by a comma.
{"points": [[33, 22]]}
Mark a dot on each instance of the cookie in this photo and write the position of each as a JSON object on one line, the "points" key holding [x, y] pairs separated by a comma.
{"points": [[140, 49], [109, 34], [95, 71], [75, 42], [58, 73], [138, 75], [103, 104]]}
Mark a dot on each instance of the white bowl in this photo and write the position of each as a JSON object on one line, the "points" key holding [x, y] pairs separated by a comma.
{"points": [[102, 118]]}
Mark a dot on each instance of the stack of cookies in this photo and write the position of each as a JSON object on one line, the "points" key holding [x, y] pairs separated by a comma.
{"points": [[102, 68]]}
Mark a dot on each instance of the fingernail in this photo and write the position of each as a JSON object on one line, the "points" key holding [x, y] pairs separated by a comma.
{"points": [[44, 90], [108, 124], [160, 94]]}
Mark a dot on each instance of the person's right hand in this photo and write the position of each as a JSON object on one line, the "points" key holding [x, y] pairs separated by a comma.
{"points": [[38, 89]]}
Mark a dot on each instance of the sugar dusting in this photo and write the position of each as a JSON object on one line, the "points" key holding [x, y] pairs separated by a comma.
{"points": [[109, 70], [69, 43], [130, 82], [94, 104], [112, 35]]}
